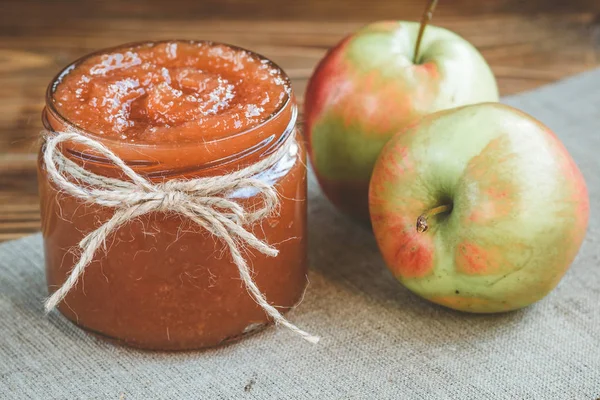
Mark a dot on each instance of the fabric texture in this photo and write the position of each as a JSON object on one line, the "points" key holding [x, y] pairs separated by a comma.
{"points": [[378, 340]]}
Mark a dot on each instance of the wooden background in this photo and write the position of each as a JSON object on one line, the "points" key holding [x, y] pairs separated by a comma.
{"points": [[527, 43]]}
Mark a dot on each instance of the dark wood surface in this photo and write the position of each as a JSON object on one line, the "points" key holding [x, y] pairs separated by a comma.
{"points": [[527, 43]]}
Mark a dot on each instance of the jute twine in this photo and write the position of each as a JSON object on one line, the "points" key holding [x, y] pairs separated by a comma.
{"points": [[204, 201]]}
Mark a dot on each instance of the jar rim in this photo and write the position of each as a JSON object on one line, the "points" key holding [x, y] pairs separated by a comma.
{"points": [[50, 105]]}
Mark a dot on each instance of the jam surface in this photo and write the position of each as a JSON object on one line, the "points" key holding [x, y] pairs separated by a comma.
{"points": [[170, 92]]}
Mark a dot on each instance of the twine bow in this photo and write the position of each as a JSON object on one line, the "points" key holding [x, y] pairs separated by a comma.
{"points": [[204, 201]]}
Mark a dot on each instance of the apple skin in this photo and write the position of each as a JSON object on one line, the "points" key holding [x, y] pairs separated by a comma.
{"points": [[367, 88], [519, 216]]}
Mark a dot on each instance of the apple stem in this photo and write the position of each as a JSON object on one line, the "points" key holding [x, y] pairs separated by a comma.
{"points": [[422, 225], [425, 19]]}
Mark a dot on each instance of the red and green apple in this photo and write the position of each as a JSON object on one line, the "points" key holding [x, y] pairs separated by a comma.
{"points": [[373, 84], [479, 208]]}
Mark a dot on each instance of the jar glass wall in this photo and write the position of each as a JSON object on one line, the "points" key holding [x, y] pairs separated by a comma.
{"points": [[164, 283]]}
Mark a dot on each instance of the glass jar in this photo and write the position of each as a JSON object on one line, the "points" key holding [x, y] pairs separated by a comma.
{"points": [[164, 283]]}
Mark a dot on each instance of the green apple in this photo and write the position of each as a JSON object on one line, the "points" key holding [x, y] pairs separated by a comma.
{"points": [[369, 87], [479, 208]]}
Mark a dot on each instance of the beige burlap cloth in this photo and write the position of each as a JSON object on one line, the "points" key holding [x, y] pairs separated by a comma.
{"points": [[378, 340]]}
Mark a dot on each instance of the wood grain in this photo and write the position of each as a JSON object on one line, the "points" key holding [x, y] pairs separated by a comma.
{"points": [[528, 44]]}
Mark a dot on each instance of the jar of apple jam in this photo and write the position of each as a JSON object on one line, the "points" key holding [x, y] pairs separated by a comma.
{"points": [[174, 110]]}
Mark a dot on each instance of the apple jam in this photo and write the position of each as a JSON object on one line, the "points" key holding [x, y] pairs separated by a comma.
{"points": [[174, 110]]}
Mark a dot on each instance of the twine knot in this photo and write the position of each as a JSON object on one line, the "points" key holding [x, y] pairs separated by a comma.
{"points": [[205, 201], [170, 199]]}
